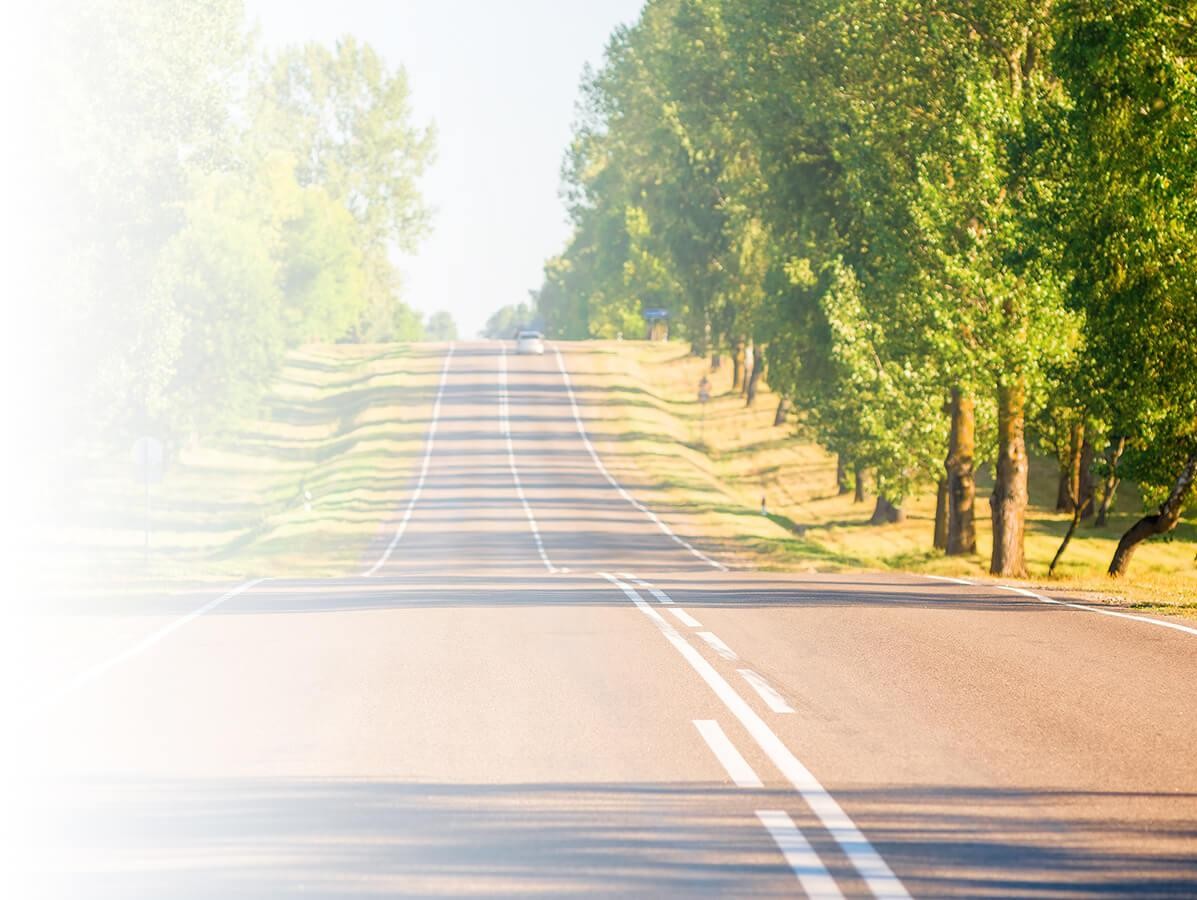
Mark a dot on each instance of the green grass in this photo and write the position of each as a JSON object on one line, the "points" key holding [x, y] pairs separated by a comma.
{"points": [[715, 465], [345, 423]]}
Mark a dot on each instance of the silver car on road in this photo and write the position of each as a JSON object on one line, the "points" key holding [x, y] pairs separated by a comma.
{"points": [[529, 342]]}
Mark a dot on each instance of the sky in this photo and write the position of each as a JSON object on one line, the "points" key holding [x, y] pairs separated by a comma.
{"points": [[499, 80]]}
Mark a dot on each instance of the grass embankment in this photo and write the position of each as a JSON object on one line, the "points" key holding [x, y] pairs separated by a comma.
{"points": [[717, 463], [298, 490]]}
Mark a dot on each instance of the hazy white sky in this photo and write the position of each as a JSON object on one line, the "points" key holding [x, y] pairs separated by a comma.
{"points": [[499, 78]]}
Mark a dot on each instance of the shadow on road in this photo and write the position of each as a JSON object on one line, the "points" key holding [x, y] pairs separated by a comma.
{"points": [[330, 837]]}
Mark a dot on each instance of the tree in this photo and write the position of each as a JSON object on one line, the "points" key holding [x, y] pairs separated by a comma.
{"points": [[1132, 239], [506, 321], [975, 106], [212, 212], [562, 300], [823, 214], [138, 99], [322, 273], [222, 277], [440, 327], [879, 196], [347, 120], [646, 180]]}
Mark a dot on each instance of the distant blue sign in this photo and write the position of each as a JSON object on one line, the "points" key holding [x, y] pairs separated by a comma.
{"points": [[655, 313]]}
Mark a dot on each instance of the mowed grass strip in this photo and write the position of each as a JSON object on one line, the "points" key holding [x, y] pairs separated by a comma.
{"points": [[300, 489], [713, 463]]}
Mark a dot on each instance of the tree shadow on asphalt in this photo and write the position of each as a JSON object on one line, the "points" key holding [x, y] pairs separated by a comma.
{"points": [[328, 837], [417, 580]]}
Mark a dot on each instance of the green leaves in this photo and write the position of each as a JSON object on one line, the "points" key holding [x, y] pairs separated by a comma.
{"points": [[217, 208], [904, 198], [1131, 232]]}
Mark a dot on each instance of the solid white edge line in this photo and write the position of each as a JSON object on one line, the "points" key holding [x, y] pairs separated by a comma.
{"points": [[717, 645], [93, 672], [737, 767], [505, 430], [765, 691], [429, 442], [881, 880], [808, 868], [948, 579], [685, 618], [1175, 626], [573, 403]]}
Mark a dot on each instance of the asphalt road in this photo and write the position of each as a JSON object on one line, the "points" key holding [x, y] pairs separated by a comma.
{"points": [[535, 686]]}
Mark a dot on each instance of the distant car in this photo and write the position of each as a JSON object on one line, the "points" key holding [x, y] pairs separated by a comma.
{"points": [[530, 342]]}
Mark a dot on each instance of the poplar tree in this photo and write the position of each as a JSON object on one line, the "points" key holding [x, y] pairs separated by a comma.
{"points": [[1132, 246]]}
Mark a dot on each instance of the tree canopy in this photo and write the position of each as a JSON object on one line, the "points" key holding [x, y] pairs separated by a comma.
{"points": [[217, 204], [943, 226]]}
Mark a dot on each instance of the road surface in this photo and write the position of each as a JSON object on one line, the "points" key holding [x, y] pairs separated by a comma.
{"points": [[535, 685]]}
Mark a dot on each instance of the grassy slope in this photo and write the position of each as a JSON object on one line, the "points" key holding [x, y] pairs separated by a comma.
{"points": [[344, 423], [718, 466], [347, 424]]}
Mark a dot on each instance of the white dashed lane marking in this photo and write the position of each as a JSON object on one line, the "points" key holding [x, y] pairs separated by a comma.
{"points": [[729, 757], [765, 691]]}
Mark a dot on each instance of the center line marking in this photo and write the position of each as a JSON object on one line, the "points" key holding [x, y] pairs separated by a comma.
{"points": [[765, 691], [736, 766], [717, 645], [429, 442], [505, 430], [877, 874], [685, 618], [660, 596], [811, 873]]}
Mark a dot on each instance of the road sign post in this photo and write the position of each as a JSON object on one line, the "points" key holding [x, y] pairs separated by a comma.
{"points": [[657, 319], [704, 397], [148, 455]]}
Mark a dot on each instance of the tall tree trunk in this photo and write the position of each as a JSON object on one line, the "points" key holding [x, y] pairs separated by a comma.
{"points": [[1070, 470], [940, 538], [1008, 504], [758, 369], [858, 476], [1110, 482], [749, 365], [962, 479], [885, 512], [1078, 510], [1062, 504], [716, 361], [1159, 523], [783, 410], [700, 333], [1085, 488], [1109, 488], [737, 364], [1077, 501], [842, 484]]}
